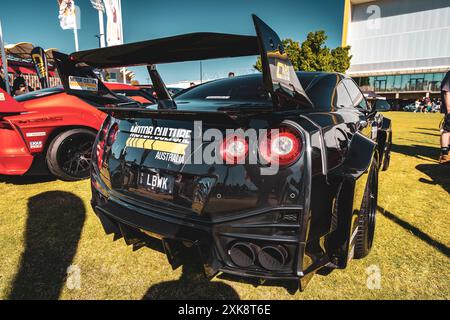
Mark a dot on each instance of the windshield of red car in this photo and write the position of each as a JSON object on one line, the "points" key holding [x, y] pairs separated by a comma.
{"points": [[39, 94]]}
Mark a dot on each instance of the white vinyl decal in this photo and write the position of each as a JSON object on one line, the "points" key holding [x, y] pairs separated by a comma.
{"points": [[35, 144], [2, 96], [36, 134]]}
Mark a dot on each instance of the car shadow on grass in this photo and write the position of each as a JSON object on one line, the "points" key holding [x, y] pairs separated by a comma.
{"points": [[25, 180], [53, 228], [437, 134], [418, 151], [415, 231], [191, 285], [428, 129], [439, 175]]}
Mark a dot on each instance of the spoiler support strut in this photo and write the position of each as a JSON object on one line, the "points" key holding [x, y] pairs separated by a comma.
{"points": [[165, 100]]}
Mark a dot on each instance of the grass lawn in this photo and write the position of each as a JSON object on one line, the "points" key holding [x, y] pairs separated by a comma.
{"points": [[47, 226]]}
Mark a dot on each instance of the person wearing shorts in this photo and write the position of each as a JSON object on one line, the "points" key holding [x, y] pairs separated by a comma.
{"points": [[445, 109]]}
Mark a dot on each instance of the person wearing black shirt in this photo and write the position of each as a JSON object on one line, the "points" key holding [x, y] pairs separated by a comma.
{"points": [[18, 81], [445, 109], [2, 81]]}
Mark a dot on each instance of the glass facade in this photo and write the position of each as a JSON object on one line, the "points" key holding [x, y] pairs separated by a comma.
{"points": [[419, 82]]}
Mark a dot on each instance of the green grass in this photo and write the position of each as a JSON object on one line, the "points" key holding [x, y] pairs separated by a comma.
{"points": [[45, 226]]}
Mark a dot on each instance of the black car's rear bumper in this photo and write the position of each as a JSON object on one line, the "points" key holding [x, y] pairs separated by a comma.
{"points": [[267, 239]]}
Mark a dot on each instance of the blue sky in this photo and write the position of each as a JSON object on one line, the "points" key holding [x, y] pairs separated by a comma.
{"points": [[37, 22]]}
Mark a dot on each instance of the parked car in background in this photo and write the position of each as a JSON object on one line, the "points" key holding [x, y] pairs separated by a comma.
{"points": [[50, 132], [382, 105], [149, 89], [410, 107], [376, 101], [133, 92], [308, 202]]}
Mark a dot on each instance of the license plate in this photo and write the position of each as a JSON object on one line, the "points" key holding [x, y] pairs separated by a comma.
{"points": [[156, 182]]}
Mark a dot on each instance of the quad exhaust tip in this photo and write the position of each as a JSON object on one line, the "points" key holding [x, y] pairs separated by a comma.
{"points": [[244, 255], [272, 257]]}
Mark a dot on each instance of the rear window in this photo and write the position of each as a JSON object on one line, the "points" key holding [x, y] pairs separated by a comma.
{"points": [[39, 94], [242, 88], [319, 87], [137, 95]]}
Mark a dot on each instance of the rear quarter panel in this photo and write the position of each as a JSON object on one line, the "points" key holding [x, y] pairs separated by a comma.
{"points": [[51, 115]]}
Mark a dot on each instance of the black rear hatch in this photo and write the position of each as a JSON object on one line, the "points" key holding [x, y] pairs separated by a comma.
{"points": [[152, 162]]}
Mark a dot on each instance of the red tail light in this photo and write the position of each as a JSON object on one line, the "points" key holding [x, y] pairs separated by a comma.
{"points": [[283, 148], [112, 135], [5, 125], [101, 143], [234, 149]]}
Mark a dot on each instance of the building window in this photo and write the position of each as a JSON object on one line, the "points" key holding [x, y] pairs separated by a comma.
{"points": [[397, 83], [428, 82], [437, 79], [402, 83], [405, 82], [416, 82]]}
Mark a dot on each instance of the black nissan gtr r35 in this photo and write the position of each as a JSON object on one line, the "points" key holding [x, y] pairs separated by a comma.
{"points": [[271, 176]]}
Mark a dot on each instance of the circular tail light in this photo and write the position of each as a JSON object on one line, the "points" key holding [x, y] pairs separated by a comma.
{"points": [[234, 149], [283, 147]]}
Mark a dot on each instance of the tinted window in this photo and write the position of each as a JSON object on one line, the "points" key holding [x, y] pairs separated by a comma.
{"points": [[137, 95], [356, 95], [242, 88], [320, 88], [342, 97], [38, 94], [382, 105]]}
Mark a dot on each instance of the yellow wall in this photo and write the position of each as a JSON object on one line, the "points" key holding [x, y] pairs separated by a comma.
{"points": [[347, 13]]}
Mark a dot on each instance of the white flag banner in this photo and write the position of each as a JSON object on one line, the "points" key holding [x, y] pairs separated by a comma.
{"points": [[114, 22], [67, 14]]}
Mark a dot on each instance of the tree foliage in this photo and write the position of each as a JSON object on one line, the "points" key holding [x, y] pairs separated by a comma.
{"points": [[314, 55]]}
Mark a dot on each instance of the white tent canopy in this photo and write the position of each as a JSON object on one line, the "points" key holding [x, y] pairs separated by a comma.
{"points": [[22, 50]]}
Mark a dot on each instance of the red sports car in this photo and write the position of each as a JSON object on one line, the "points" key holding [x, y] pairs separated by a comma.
{"points": [[49, 131]]}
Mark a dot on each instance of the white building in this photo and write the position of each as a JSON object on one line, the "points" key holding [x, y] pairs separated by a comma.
{"points": [[400, 48]]}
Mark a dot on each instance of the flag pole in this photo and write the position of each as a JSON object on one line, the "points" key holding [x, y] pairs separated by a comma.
{"points": [[102, 29], [75, 31], [124, 75], [5, 60]]}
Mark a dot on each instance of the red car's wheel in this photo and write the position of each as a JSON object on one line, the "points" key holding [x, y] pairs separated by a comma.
{"points": [[69, 154]]}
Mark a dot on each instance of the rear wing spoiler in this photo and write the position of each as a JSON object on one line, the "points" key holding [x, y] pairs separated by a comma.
{"points": [[79, 79], [279, 75]]}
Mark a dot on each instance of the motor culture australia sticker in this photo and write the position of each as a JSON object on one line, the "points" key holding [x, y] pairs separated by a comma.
{"points": [[169, 143], [83, 84]]}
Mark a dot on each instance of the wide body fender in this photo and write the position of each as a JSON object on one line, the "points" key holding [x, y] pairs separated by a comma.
{"points": [[15, 158], [353, 178], [384, 140], [34, 130]]}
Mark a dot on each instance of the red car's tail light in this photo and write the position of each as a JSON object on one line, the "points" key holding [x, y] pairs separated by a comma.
{"points": [[283, 147], [112, 135], [5, 125], [100, 148], [234, 149]]}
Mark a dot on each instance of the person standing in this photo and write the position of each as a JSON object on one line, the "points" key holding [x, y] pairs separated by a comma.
{"points": [[2, 81], [19, 81], [445, 109], [417, 105]]}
